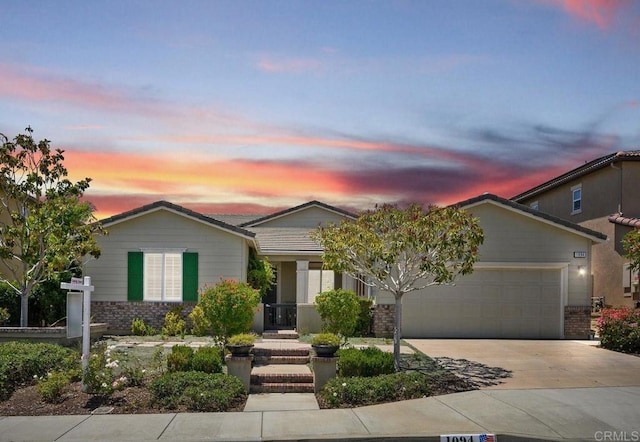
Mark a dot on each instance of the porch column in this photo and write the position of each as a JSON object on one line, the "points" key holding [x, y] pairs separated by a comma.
{"points": [[302, 282]]}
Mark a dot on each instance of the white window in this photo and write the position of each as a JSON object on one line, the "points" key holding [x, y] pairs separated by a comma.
{"points": [[162, 276], [576, 199], [535, 205]]}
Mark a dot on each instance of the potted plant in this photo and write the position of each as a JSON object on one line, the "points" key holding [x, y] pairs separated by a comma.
{"points": [[325, 344], [241, 344]]}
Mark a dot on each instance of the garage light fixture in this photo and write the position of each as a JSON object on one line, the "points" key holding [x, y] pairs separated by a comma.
{"points": [[582, 270]]}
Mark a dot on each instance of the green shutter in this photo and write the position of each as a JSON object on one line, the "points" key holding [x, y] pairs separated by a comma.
{"points": [[190, 276], [135, 279]]}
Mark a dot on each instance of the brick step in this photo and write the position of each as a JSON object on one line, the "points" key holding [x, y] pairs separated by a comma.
{"points": [[262, 359], [281, 378], [269, 352], [275, 387], [280, 334]]}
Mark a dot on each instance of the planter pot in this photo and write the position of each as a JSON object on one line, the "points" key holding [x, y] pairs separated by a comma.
{"points": [[240, 350], [325, 351]]}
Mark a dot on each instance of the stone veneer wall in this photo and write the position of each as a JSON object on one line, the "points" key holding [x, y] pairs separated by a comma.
{"points": [[383, 320], [119, 314], [577, 321]]}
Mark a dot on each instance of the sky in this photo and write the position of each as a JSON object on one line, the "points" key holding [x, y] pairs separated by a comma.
{"points": [[256, 106]]}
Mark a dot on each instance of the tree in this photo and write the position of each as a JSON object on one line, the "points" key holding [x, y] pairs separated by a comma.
{"points": [[400, 251], [45, 228], [260, 274], [631, 245]]}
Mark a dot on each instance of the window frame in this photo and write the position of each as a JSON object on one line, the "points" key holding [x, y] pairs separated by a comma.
{"points": [[578, 200]]}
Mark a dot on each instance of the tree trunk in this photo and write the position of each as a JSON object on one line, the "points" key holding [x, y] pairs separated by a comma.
{"points": [[24, 310], [397, 332]]}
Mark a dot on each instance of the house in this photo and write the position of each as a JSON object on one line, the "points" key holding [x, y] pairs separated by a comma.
{"points": [[602, 195], [160, 254], [529, 282]]}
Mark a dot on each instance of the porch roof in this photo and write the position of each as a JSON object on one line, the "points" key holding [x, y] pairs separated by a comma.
{"points": [[285, 241]]}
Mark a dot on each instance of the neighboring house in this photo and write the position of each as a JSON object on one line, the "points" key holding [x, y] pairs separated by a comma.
{"points": [[604, 195], [527, 284], [161, 254]]}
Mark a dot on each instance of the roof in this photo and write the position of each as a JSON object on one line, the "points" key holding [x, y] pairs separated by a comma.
{"points": [[526, 210], [234, 219], [285, 241], [165, 205], [624, 221], [587, 168], [297, 209]]}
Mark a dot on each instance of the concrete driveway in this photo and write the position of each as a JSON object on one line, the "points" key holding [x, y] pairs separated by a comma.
{"points": [[541, 364]]}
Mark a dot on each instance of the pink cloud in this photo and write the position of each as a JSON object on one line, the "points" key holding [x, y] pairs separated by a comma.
{"points": [[290, 65], [602, 13]]}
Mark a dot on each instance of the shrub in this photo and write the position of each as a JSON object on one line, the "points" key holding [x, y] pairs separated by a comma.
{"points": [[139, 328], [207, 360], [620, 329], [229, 307], [21, 361], [338, 310], [242, 339], [4, 315], [365, 317], [174, 325], [370, 361], [200, 325], [358, 391], [325, 339], [50, 386], [180, 358], [197, 391]]}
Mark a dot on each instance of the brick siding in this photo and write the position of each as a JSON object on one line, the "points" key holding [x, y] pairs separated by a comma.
{"points": [[119, 314], [577, 321], [383, 320]]}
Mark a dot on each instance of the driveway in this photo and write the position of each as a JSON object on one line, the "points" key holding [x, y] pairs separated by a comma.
{"points": [[541, 364]]}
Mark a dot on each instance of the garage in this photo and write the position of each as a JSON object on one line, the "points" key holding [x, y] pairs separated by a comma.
{"points": [[518, 303]]}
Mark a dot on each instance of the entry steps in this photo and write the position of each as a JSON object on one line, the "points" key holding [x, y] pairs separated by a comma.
{"points": [[281, 366]]}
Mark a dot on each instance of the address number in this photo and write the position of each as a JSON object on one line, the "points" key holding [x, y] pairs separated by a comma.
{"points": [[468, 438]]}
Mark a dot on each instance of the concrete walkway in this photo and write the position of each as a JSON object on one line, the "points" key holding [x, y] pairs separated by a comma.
{"points": [[600, 411]]}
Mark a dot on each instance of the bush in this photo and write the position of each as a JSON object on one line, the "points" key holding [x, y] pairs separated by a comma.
{"points": [[207, 360], [4, 315], [325, 339], [139, 328], [365, 317], [174, 325], [229, 307], [338, 310], [620, 329], [21, 361], [180, 358], [200, 325], [359, 391], [370, 361], [197, 391], [101, 377], [50, 386], [242, 339]]}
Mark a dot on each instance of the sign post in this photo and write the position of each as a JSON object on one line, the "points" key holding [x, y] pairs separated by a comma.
{"points": [[84, 286]]}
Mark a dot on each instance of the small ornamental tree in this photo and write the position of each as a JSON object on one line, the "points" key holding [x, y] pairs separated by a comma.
{"points": [[45, 227], [631, 245], [400, 251], [229, 306]]}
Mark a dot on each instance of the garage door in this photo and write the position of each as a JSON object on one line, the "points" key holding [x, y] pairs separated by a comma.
{"points": [[500, 303]]}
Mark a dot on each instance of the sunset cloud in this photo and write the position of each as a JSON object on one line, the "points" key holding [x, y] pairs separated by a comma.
{"points": [[602, 13]]}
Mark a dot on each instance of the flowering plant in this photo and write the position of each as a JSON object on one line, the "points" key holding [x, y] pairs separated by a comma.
{"points": [[106, 373], [619, 329]]}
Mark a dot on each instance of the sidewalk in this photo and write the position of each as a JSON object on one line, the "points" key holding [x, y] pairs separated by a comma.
{"points": [[513, 415]]}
